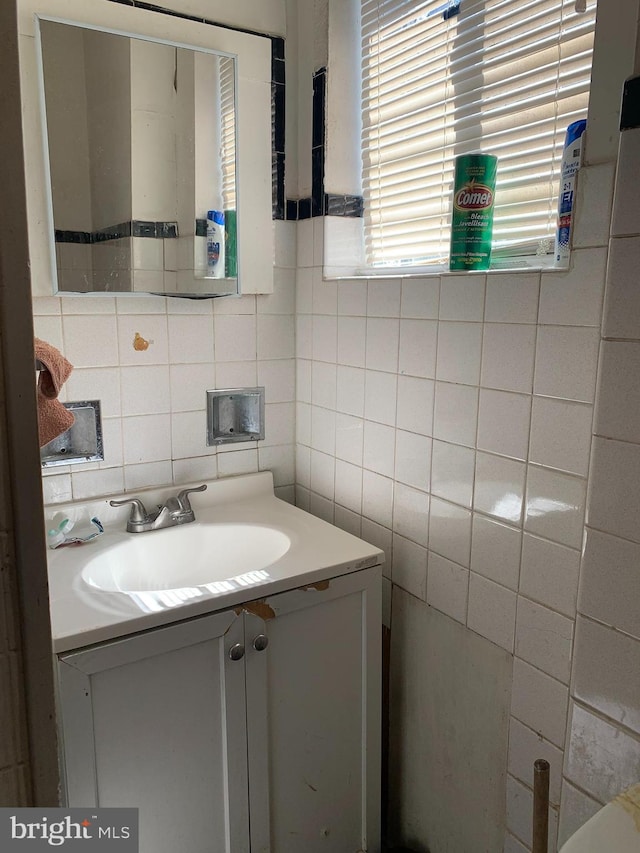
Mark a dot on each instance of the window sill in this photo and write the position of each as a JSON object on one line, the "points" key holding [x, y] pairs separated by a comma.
{"points": [[529, 264]]}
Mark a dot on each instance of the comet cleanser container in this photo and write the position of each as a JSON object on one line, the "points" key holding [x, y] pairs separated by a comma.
{"points": [[472, 216]]}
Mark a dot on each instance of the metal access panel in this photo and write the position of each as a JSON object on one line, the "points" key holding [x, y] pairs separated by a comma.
{"points": [[82, 442], [235, 414]]}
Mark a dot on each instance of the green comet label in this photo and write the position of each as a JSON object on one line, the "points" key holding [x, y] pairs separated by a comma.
{"points": [[472, 215]]}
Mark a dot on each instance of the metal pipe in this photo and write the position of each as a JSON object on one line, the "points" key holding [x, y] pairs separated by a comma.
{"points": [[540, 806]]}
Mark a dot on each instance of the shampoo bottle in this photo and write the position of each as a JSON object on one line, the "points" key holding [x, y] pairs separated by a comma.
{"points": [[215, 244], [571, 158]]}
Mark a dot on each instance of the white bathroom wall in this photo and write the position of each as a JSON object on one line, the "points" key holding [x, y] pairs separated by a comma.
{"points": [[446, 419], [449, 419], [603, 741], [153, 399]]}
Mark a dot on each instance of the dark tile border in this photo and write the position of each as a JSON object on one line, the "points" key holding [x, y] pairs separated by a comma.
{"points": [[278, 118], [321, 203], [630, 114], [132, 228]]}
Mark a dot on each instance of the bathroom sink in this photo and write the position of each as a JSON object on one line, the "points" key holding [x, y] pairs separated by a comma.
{"points": [[183, 557], [245, 544]]}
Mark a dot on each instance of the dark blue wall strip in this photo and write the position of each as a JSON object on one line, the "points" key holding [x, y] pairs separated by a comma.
{"points": [[630, 114]]}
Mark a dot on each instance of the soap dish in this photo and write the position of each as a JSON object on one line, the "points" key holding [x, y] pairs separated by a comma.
{"points": [[235, 414], [82, 442]]}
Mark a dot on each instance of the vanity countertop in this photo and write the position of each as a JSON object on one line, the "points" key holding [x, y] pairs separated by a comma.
{"points": [[82, 615]]}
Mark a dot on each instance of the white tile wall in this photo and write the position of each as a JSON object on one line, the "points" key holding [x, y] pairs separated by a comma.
{"points": [[525, 746], [411, 514], [420, 298], [456, 413], [463, 298], [492, 611], [539, 701], [555, 506], [549, 573], [519, 808], [622, 301], [153, 400], [603, 741], [483, 330], [575, 298], [606, 673], [495, 551], [452, 470], [409, 568], [447, 587], [601, 758], [458, 355], [618, 409], [544, 638], [503, 423], [609, 581], [471, 424], [418, 342], [507, 356], [566, 359], [561, 434], [443, 316]]}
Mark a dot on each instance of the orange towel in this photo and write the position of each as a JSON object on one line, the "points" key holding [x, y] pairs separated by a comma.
{"points": [[53, 418]]}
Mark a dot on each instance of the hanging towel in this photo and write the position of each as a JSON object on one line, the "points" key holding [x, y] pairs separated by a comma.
{"points": [[53, 418]]}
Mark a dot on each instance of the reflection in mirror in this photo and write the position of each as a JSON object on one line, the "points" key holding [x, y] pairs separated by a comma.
{"points": [[142, 157]]}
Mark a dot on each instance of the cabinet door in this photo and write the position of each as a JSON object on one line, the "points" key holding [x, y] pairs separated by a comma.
{"points": [[158, 722], [313, 711]]}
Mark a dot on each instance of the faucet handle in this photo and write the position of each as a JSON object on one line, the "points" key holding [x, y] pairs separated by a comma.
{"points": [[183, 497], [138, 511]]}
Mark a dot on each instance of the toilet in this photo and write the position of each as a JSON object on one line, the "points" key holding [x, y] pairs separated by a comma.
{"points": [[614, 829]]}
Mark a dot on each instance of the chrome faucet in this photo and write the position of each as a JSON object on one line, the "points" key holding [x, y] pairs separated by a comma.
{"points": [[177, 510]]}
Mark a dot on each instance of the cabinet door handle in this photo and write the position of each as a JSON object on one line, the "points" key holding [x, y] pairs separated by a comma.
{"points": [[261, 642], [236, 652]]}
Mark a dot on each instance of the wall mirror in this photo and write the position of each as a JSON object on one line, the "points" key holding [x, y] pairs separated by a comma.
{"points": [[141, 140]]}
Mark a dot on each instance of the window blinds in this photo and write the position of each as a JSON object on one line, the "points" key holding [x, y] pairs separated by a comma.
{"points": [[501, 76], [228, 131]]}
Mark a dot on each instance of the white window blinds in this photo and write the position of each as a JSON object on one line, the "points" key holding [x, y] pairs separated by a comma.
{"points": [[504, 77], [228, 131]]}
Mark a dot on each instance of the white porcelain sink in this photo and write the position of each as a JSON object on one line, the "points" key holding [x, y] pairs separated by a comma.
{"points": [[245, 544], [181, 557]]}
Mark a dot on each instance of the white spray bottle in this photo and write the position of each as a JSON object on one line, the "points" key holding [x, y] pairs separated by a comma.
{"points": [[571, 159], [215, 244]]}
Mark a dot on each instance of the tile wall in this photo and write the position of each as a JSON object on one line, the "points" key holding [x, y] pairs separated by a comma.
{"points": [[448, 420], [153, 400], [605, 703]]}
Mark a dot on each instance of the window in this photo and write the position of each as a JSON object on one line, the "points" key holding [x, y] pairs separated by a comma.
{"points": [[442, 79], [228, 132]]}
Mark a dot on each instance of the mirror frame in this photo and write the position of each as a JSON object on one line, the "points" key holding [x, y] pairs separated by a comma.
{"points": [[203, 286], [252, 54]]}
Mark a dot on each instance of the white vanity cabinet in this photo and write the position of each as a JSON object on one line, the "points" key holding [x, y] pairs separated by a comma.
{"points": [[253, 729]]}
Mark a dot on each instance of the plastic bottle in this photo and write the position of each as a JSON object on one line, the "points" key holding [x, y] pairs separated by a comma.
{"points": [[472, 214], [571, 158], [231, 249], [215, 244]]}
